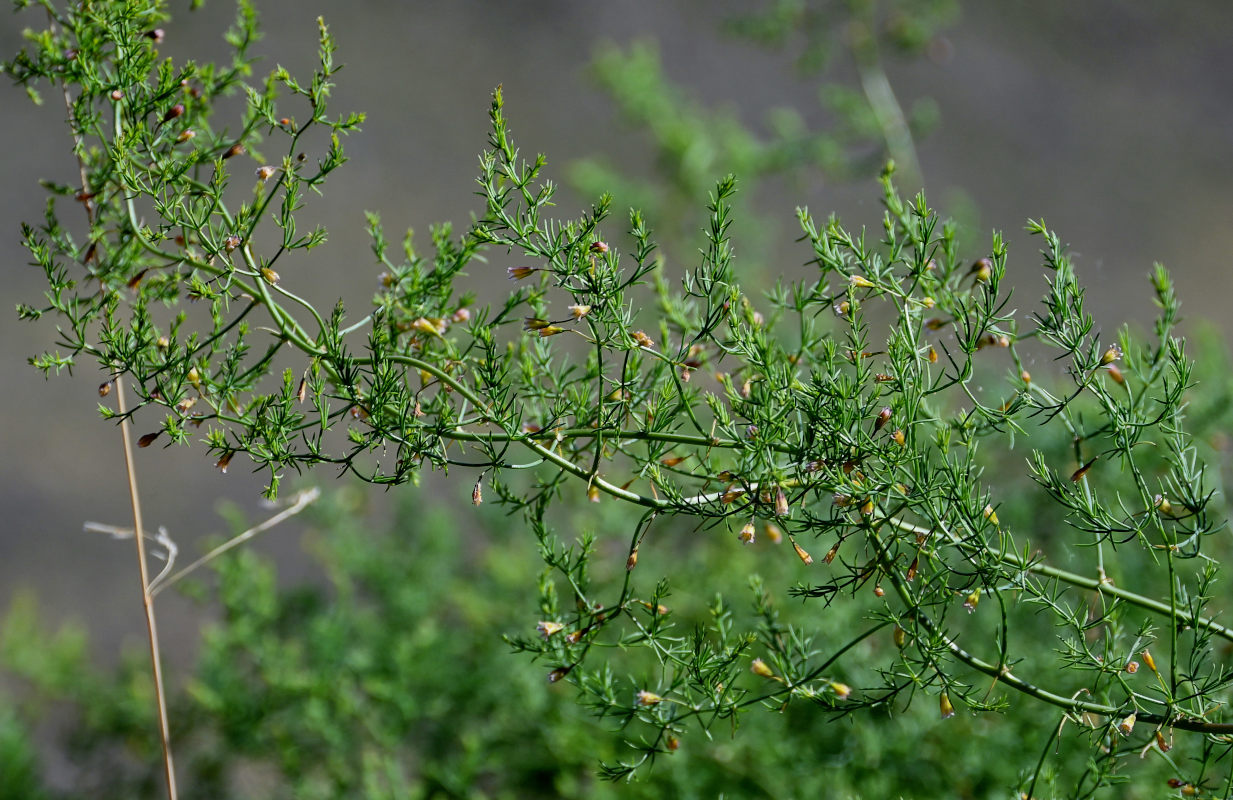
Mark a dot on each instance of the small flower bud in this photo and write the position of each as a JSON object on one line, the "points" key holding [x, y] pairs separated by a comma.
{"points": [[883, 417], [535, 323], [1151, 662], [236, 149], [878, 591], [982, 270], [773, 534], [746, 536], [265, 173], [477, 495], [933, 355], [550, 330], [991, 515], [672, 744], [928, 302], [186, 135], [426, 326], [945, 707], [842, 308], [593, 494], [579, 311], [781, 503], [867, 506], [461, 315], [900, 637], [1025, 376], [558, 673], [548, 628], [841, 690], [936, 323], [173, 112], [899, 437], [1161, 743], [643, 340], [1132, 667], [302, 392], [1163, 505], [861, 281], [1127, 725], [117, 95], [1110, 355], [632, 561], [972, 600], [104, 388], [231, 243], [148, 439], [518, 273], [194, 378], [646, 698], [801, 553], [599, 247], [1116, 374], [761, 669], [271, 277], [155, 35]]}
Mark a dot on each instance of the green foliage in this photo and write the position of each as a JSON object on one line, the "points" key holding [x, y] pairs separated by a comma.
{"points": [[879, 411]]}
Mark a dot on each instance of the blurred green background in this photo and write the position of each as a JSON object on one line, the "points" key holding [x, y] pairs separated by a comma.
{"points": [[1109, 119]]}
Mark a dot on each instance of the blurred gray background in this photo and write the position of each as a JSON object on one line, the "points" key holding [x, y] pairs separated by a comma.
{"points": [[1112, 120]]}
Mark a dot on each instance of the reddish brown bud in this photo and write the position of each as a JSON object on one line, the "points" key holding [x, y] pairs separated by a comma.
{"points": [[1081, 471], [148, 439], [173, 112], [104, 388], [224, 461], [233, 151], [883, 417]]}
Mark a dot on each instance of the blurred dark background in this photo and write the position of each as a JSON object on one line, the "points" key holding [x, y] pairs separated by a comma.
{"points": [[1112, 120]]}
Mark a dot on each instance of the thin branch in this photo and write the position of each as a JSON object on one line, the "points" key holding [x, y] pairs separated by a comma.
{"points": [[301, 501], [147, 600]]}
